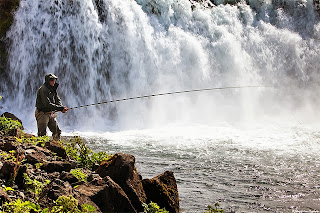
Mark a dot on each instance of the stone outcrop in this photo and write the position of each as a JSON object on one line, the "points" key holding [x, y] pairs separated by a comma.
{"points": [[122, 170], [12, 116], [113, 186], [107, 195], [163, 190]]}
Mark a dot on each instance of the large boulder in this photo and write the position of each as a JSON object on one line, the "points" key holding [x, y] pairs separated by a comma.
{"points": [[120, 168], [57, 166], [163, 190], [56, 148], [8, 170], [53, 191], [107, 195], [34, 155]]}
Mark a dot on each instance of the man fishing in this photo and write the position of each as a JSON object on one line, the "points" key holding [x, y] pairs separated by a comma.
{"points": [[47, 104]]}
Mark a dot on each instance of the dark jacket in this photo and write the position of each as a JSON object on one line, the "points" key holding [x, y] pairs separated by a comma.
{"points": [[48, 99]]}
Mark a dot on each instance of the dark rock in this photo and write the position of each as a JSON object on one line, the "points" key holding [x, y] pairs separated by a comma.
{"points": [[53, 175], [107, 195], [163, 190], [3, 196], [7, 170], [67, 176], [52, 191], [19, 180], [121, 169], [10, 138], [9, 146], [15, 132], [27, 135], [82, 199], [92, 176], [56, 148], [34, 156], [57, 166]]}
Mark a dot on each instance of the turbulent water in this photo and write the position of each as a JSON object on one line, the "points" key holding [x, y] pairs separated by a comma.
{"points": [[251, 149]]}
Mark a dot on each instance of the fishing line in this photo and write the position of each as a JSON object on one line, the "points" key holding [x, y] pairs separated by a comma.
{"points": [[168, 93]]}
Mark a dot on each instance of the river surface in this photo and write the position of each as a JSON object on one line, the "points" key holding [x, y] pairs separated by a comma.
{"points": [[261, 168]]}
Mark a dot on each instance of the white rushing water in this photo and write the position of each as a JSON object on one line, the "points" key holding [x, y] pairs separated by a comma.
{"points": [[252, 149]]}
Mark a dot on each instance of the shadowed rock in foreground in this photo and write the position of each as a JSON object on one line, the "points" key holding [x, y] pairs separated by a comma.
{"points": [[114, 186]]}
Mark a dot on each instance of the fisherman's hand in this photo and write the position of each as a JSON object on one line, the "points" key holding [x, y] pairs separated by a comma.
{"points": [[65, 109]]}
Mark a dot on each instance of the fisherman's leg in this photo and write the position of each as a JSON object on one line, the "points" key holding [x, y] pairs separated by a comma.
{"points": [[54, 128], [42, 122]]}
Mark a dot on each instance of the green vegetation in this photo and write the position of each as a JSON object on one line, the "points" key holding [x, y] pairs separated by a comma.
{"points": [[68, 204], [153, 208], [7, 188], [64, 204], [214, 209], [79, 175], [7, 124], [79, 151], [75, 149], [33, 140], [17, 159], [18, 206], [34, 186]]}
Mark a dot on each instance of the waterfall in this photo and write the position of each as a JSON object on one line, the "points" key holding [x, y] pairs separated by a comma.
{"points": [[104, 49]]}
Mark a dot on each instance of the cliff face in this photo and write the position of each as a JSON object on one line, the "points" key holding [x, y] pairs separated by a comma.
{"points": [[7, 9], [41, 171]]}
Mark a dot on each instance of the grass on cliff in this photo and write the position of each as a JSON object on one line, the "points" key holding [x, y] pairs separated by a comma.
{"points": [[7, 124], [77, 149]]}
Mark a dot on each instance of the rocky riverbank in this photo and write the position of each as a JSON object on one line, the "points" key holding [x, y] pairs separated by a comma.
{"points": [[45, 173]]}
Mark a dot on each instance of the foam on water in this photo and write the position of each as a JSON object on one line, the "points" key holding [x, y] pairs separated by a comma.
{"points": [[248, 169]]}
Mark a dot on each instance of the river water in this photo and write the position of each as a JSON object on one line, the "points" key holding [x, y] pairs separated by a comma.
{"points": [[250, 149], [263, 168]]}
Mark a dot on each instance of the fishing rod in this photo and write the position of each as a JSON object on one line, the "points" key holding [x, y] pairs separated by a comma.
{"points": [[167, 93]]}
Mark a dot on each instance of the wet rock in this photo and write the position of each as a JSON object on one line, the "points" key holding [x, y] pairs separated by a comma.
{"points": [[120, 168], [56, 148], [53, 190], [163, 190], [57, 166], [107, 195], [67, 176]]}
